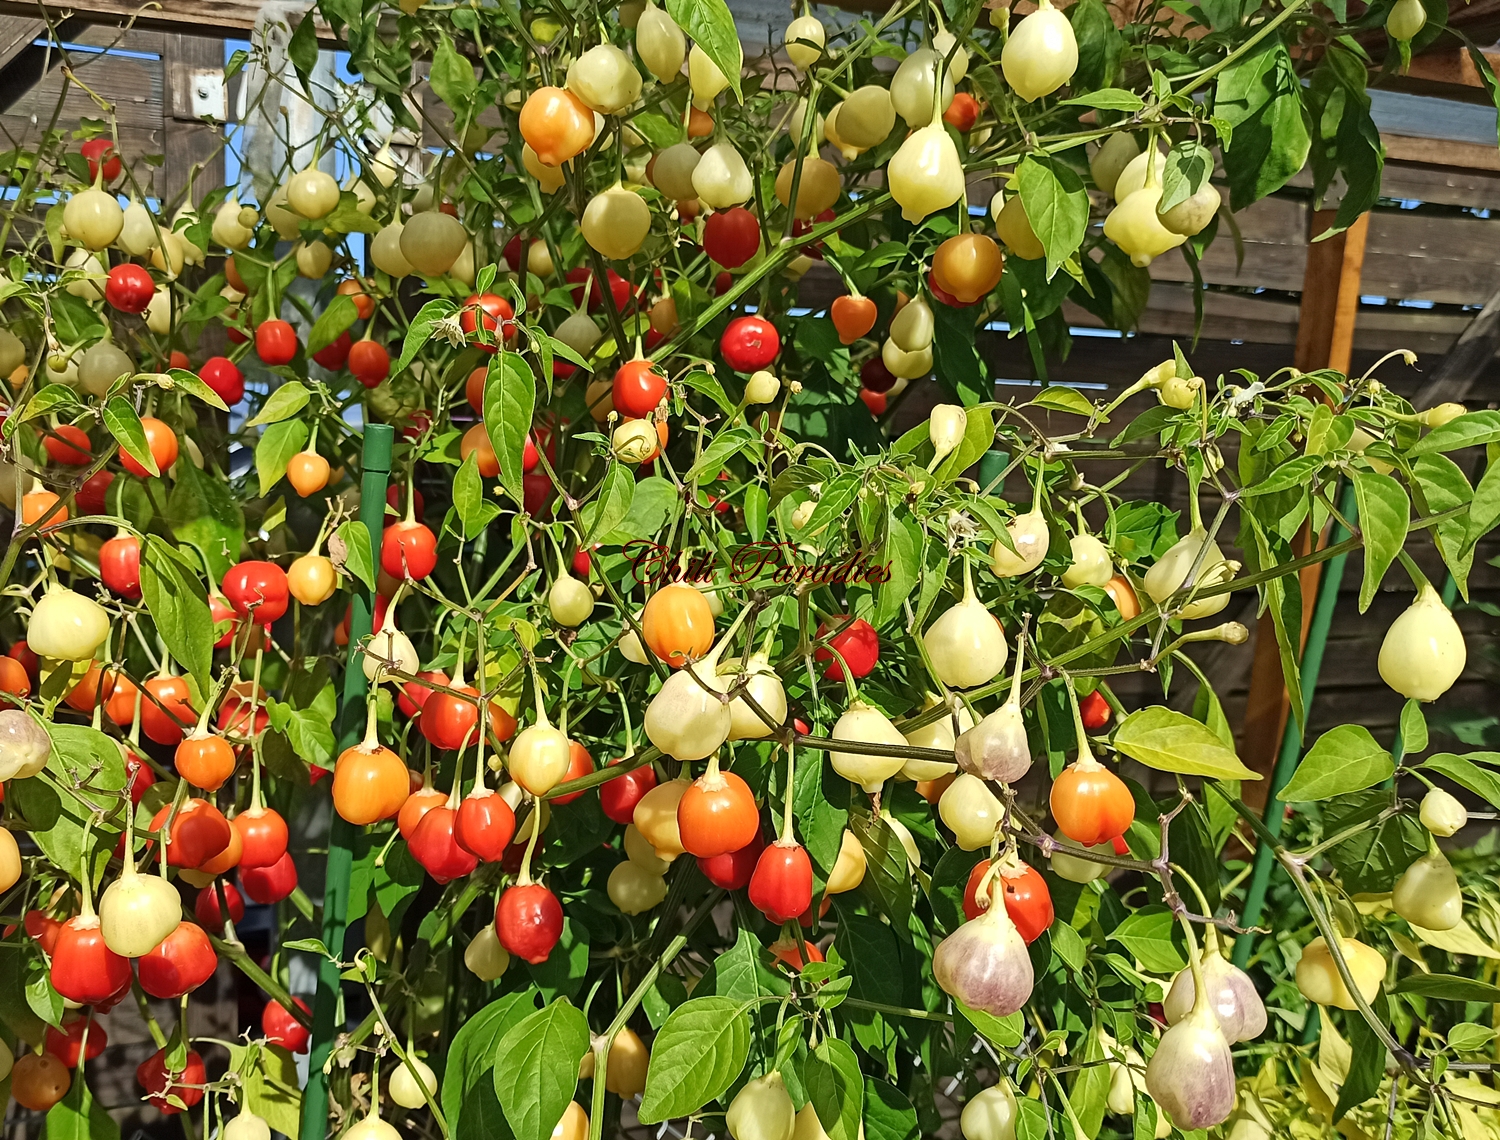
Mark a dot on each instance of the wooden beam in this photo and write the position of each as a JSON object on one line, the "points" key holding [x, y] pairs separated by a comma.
{"points": [[1441, 152], [225, 19], [1325, 339]]}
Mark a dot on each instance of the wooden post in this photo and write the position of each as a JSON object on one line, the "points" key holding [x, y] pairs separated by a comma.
{"points": [[190, 142], [1325, 339]]}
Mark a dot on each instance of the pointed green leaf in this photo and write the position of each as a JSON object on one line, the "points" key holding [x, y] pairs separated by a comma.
{"points": [[124, 423]]}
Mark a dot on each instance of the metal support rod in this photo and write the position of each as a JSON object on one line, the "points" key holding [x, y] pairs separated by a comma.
{"points": [[376, 467], [1291, 741]]}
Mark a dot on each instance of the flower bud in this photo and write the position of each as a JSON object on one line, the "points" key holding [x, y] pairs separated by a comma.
{"points": [[948, 422], [1442, 414], [762, 388], [1441, 813]]}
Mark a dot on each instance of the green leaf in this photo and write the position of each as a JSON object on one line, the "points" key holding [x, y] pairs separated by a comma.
{"points": [[612, 505], [1006, 1032], [1469, 1037], [1372, 860], [310, 730], [1151, 934], [889, 1115], [341, 313], [1294, 473], [193, 385], [1471, 430], [274, 450], [887, 880], [1089, 1095], [282, 404], [1484, 509], [1057, 206], [78, 1116], [1099, 46], [695, 1058], [1466, 774], [359, 555], [710, 25], [741, 975], [724, 447], [202, 512], [1107, 99], [1260, 98], [1061, 398], [509, 401], [419, 332], [562, 974], [271, 1090], [302, 50], [49, 399], [1384, 514], [1367, 1060], [124, 423], [1447, 987], [474, 510], [709, 385], [979, 435], [540, 1073], [1413, 729], [653, 508], [1445, 487], [473, 1052], [452, 77], [1344, 759], [756, 506], [836, 1088], [90, 762], [177, 600], [1171, 741], [1189, 165]]}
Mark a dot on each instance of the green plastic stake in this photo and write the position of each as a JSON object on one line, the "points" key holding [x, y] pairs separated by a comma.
{"points": [[1291, 742], [376, 464]]}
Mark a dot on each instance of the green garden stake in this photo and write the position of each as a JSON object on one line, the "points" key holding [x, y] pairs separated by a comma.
{"points": [[376, 464]]}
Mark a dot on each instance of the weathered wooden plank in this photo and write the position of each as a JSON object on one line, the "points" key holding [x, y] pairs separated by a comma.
{"points": [[1443, 185], [1441, 152], [1275, 236], [194, 150], [1432, 257], [225, 17], [132, 86]]}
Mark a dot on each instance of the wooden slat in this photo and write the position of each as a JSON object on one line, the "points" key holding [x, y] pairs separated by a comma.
{"points": [[133, 86], [1274, 231], [16, 33], [227, 18], [195, 154], [1441, 152], [1432, 257], [1443, 185]]}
